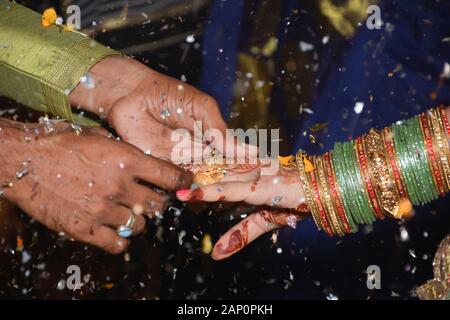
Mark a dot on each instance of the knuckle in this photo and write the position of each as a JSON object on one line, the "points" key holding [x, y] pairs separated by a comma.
{"points": [[116, 247], [175, 179], [211, 101], [116, 190], [153, 206]]}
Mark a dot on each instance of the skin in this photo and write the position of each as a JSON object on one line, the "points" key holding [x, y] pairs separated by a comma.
{"points": [[83, 185], [255, 186], [131, 96]]}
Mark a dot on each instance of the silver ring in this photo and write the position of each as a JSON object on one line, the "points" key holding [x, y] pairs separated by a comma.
{"points": [[126, 230]]}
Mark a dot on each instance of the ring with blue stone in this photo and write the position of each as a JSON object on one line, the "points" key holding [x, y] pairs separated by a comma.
{"points": [[126, 230]]}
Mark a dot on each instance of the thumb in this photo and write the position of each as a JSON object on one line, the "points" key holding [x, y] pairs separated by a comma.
{"points": [[251, 228]]}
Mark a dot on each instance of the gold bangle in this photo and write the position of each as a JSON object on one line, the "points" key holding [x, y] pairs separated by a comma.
{"points": [[307, 189], [433, 162], [442, 144], [325, 196], [393, 166], [369, 184], [385, 186]]}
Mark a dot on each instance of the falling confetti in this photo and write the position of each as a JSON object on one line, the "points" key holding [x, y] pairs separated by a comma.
{"points": [[305, 46], [165, 113], [358, 108], [207, 244]]}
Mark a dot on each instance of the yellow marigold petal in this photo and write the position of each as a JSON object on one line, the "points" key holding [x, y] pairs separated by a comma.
{"points": [[308, 165], [49, 17], [405, 209], [207, 244], [286, 161]]}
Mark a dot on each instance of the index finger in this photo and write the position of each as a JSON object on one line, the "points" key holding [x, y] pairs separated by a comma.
{"points": [[162, 174]]}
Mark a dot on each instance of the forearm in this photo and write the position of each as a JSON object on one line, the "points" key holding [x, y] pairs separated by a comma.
{"points": [[379, 174]]}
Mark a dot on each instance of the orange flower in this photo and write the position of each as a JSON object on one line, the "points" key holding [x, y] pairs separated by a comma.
{"points": [[19, 243], [308, 165], [49, 17], [286, 161]]}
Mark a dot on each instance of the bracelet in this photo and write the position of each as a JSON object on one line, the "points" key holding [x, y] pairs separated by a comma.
{"points": [[381, 173], [385, 186], [347, 225], [433, 163], [325, 196], [367, 177], [307, 189]]}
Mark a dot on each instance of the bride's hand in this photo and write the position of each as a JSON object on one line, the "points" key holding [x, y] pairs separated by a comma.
{"points": [[278, 195]]}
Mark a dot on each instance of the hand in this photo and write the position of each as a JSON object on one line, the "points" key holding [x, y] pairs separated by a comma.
{"points": [[145, 107], [279, 197], [83, 185]]}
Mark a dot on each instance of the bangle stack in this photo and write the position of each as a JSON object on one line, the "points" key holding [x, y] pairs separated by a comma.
{"points": [[382, 173]]}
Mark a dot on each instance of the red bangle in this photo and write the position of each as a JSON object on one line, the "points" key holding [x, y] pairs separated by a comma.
{"points": [[323, 216], [444, 118], [423, 118], [361, 158], [387, 134], [337, 199]]}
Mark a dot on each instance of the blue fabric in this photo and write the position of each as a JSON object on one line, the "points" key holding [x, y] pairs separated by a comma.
{"points": [[362, 71], [220, 46], [350, 71]]}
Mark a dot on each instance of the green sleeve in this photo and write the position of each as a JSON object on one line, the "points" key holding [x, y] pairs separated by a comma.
{"points": [[39, 67]]}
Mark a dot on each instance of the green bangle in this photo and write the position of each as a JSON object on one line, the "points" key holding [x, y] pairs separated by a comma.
{"points": [[349, 203], [430, 191], [352, 190], [355, 175], [412, 169], [342, 192], [399, 145]]}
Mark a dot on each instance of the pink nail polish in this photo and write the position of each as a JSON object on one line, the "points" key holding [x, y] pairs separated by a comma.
{"points": [[183, 192]]}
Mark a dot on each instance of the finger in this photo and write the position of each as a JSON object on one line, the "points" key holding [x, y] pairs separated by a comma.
{"points": [[148, 127], [206, 110], [119, 216], [142, 200], [247, 231], [103, 238], [225, 191], [100, 130], [243, 173], [232, 173], [162, 174]]}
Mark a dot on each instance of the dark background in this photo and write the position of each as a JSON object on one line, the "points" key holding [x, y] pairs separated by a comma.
{"points": [[159, 265]]}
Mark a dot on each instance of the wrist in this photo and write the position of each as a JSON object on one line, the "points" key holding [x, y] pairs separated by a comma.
{"points": [[108, 81], [14, 150]]}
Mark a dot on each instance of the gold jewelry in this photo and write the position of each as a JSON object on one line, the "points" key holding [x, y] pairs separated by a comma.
{"points": [[213, 174], [442, 144], [307, 189], [325, 196], [384, 184]]}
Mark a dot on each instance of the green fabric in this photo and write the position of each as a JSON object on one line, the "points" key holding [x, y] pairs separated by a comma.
{"points": [[39, 67]]}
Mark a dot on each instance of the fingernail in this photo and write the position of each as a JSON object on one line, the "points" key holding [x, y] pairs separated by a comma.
{"points": [[183, 192]]}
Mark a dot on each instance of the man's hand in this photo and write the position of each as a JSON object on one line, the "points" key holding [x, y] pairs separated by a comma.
{"points": [[83, 185], [144, 106]]}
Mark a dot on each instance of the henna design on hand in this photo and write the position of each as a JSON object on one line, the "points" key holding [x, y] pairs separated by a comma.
{"points": [[236, 241]]}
